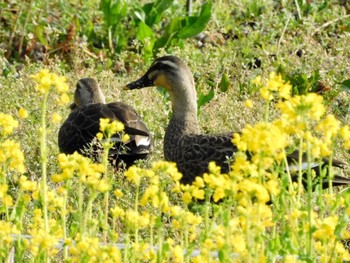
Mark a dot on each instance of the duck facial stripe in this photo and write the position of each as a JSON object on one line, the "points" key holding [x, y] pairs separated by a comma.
{"points": [[166, 64], [152, 75], [160, 67]]}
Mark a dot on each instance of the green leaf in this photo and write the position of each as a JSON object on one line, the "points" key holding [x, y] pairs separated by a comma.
{"points": [[39, 30], [113, 11], [199, 24], [143, 32], [105, 7], [162, 5], [139, 14], [169, 34], [145, 35], [205, 98], [346, 85], [224, 83], [155, 10]]}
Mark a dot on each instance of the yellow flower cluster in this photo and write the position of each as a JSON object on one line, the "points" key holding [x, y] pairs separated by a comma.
{"points": [[45, 80], [12, 155], [108, 127], [23, 113], [302, 108], [274, 84], [7, 232], [262, 139], [41, 241], [88, 173], [90, 249], [7, 124]]}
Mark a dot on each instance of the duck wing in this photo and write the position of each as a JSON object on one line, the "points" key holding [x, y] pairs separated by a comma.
{"points": [[320, 168], [140, 138], [81, 127], [192, 153]]}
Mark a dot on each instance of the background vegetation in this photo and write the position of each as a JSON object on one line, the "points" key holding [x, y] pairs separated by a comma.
{"points": [[227, 44]]}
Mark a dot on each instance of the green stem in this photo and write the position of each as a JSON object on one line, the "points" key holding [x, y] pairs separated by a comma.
{"points": [[106, 194], [88, 213], [298, 9], [64, 223], [290, 187], [206, 213], [14, 208], [136, 210], [300, 171], [126, 246], [309, 198], [330, 175], [4, 182], [80, 208], [43, 155]]}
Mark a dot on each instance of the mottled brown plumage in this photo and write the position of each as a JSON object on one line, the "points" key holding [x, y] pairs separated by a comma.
{"points": [[80, 128], [183, 142]]}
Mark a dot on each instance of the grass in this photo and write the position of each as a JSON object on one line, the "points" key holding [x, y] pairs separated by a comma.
{"points": [[297, 44]]}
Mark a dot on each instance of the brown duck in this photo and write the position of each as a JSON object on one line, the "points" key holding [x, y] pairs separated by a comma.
{"points": [[79, 130], [183, 143]]}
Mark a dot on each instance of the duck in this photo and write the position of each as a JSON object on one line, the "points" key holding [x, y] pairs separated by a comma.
{"points": [[78, 131], [184, 143]]}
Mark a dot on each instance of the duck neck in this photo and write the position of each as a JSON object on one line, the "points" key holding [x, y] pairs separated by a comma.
{"points": [[184, 107], [182, 125]]}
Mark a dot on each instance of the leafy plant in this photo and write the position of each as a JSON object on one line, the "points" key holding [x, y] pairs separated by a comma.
{"points": [[114, 11], [301, 82], [177, 29]]}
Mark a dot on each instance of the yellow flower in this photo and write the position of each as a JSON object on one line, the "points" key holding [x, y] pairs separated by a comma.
{"points": [[302, 107], [11, 152], [7, 200], [7, 231], [45, 80], [102, 186], [262, 137], [110, 128], [193, 219], [255, 191], [117, 212], [56, 118], [99, 136], [266, 94], [175, 210], [88, 173], [151, 193], [118, 193], [7, 124], [249, 104], [257, 81], [273, 187], [3, 190], [198, 193], [23, 113], [132, 174], [187, 198], [239, 243], [63, 99], [326, 227], [178, 253], [125, 138], [27, 185], [329, 127], [167, 168], [60, 83]]}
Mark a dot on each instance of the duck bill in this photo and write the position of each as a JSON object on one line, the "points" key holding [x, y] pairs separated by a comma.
{"points": [[143, 82]]}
